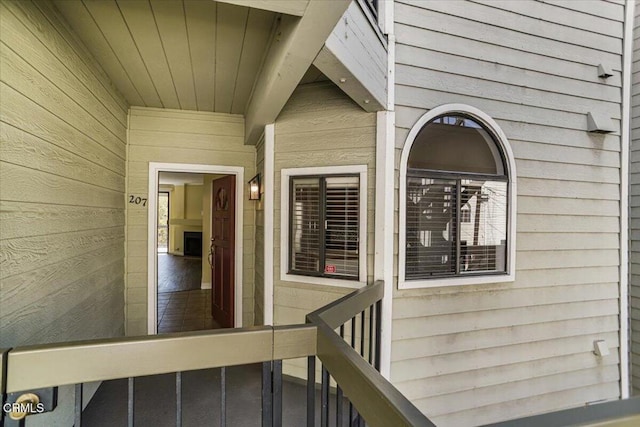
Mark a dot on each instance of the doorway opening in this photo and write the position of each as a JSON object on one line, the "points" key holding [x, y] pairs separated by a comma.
{"points": [[195, 248]]}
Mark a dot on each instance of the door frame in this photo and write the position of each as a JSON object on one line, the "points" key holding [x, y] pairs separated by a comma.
{"points": [[152, 236]]}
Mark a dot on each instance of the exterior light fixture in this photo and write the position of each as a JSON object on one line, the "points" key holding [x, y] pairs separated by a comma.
{"points": [[254, 188]]}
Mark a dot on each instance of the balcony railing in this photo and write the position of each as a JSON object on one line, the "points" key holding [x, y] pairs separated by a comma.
{"points": [[361, 392], [344, 336]]}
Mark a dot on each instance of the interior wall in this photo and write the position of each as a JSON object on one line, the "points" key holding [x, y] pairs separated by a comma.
{"points": [[188, 137], [185, 214], [62, 186]]}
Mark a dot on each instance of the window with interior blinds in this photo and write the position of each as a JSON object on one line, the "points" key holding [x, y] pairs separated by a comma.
{"points": [[483, 239], [455, 201], [431, 227], [324, 218], [454, 225]]}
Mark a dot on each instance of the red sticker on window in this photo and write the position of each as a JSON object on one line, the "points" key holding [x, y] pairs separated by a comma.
{"points": [[329, 268]]}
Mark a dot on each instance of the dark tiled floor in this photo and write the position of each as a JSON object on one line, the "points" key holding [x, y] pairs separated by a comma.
{"points": [[178, 273], [185, 311], [182, 305]]}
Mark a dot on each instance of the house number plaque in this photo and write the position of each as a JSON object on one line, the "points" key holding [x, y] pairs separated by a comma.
{"points": [[137, 200]]}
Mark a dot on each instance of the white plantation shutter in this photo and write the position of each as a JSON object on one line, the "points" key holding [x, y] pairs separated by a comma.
{"points": [[341, 233], [431, 223], [324, 215], [305, 224], [454, 226], [483, 238]]}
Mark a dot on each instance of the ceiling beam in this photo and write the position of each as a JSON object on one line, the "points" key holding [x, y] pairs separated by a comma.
{"points": [[296, 43], [288, 7]]}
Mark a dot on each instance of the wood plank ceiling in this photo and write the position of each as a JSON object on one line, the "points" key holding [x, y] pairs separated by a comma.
{"points": [[183, 54]]}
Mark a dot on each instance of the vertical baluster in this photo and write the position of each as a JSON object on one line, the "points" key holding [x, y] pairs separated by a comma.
{"points": [[311, 391], [324, 409], [362, 333], [370, 334], [267, 402], [277, 393], [130, 402], [341, 331], [353, 345], [178, 399], [223, 396], [78, 406], [378, 326], [353, 332], [338, 406]]}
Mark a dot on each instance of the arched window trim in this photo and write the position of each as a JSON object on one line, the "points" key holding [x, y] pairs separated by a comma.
{"points": [[504, 145]]}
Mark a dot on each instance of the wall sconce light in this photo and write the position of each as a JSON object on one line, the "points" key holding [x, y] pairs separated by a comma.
{"points": [[254, 188]]}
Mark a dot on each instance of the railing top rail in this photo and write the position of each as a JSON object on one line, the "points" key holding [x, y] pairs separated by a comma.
{"points": [[343, 309], [53, 365], [376, 399], [619, 413]]}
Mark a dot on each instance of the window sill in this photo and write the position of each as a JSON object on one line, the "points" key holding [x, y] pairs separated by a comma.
{"points": [[324, 281], [456, 281]]}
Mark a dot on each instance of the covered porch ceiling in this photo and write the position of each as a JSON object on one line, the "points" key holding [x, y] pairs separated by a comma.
{"points": [[228, 56]]}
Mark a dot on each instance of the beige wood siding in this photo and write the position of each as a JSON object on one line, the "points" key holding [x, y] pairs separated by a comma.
{"points": [[319, 126], [634, 206], [178, 136], [471, 355], [62, 181], [259, 241]]}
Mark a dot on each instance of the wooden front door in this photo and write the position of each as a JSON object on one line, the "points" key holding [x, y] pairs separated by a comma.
{"points": [[222, 250]]}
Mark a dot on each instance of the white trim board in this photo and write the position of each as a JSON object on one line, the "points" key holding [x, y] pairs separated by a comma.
{"points": [[624, 199], [269, 195], [284, 225], [501, 139], [384, 229], [152, 260]]}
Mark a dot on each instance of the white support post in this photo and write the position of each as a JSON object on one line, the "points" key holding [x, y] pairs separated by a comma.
{"points": [[384, 228], [269, 191]]}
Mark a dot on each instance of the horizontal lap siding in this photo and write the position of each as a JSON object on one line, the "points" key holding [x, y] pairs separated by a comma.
{"points": [[478, 354], [319, 126], [62, 183], [180, 136], [635, 212]]}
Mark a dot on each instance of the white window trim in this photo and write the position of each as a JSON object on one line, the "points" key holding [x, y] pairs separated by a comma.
{"points": [[286, 174], [501, 139]]}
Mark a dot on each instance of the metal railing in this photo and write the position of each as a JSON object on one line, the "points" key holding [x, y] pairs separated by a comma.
{"points": [[344, 336], [367, 394]]}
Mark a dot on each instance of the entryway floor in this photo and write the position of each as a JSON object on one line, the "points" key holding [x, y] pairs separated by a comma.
{"points": [[185, 311], [178, 273]]}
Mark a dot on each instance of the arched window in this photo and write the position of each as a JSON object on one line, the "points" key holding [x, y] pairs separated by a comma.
{"points": [[457, 201]]}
